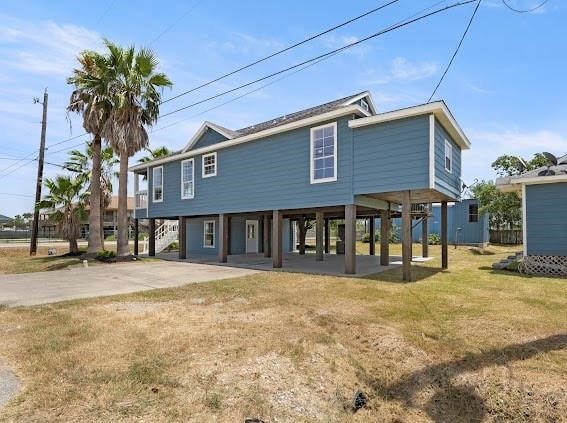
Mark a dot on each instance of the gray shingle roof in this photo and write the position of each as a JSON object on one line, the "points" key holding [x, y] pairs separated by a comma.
{"points": [[293, 117]]}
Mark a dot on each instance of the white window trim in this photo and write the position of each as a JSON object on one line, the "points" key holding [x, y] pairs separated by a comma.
{"points": [[154, 184], [364, 105], [205, 233], [311, 150], [203, 165], [448, 148], [188, 197]]}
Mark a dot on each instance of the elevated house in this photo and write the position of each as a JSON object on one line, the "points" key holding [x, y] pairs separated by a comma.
{"points": [[544, 216], [237, 191]]}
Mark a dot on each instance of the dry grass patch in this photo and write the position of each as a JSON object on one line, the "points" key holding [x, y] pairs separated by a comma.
{"points": [[18, 260], [468, 344]]}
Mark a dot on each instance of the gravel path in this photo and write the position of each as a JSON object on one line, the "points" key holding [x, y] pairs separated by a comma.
{"points": [[9, 384]]}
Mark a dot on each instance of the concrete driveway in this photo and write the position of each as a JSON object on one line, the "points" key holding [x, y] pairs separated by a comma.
{"points": [[101, 280]]}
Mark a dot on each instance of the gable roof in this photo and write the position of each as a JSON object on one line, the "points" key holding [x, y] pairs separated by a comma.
{"points": [[330, 110], [532, 177], [4, 218]]}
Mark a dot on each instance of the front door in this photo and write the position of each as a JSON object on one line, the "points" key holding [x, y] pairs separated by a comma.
{"points": [[251, 236]]}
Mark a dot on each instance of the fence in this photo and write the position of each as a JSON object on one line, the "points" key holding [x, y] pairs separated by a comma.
{"points": [[506, 236]]}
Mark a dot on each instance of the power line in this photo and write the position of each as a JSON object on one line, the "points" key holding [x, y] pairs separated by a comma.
{"points": [[16, 195], [281, 51], [456, 51], [179, 19], [345, 47], [533, 9], [17, 161], [17, 168]]}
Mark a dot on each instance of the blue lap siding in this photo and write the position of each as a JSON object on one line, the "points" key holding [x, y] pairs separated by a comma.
{"points": [[546, 219], [210, 137], [392, 156], [446, 182]]}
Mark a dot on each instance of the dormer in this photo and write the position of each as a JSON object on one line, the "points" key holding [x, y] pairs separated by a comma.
{"points": [[208, 134]]}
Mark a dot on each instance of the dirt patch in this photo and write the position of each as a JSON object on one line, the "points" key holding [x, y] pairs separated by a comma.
{"points": [[9, 384]]}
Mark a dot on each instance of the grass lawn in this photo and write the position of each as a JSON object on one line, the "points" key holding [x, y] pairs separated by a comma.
{"points": [[468, 344], [18, 260]]}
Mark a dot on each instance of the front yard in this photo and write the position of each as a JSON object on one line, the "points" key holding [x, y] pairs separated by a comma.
{"points": [[468, 344]]}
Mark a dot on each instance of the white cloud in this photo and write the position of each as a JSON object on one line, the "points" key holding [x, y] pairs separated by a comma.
{"points": [[46, 47], [402, 70], [332, 42], [243, 43], [489, 145]]}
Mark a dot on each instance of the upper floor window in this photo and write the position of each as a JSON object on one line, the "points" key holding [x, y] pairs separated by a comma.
{"points": [[209, 164], [473, 213], [187, 178], [324, 153], [209, 234], [364, 105], [157, 184], [448, 156]]}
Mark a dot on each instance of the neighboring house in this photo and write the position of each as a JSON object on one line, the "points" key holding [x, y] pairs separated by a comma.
{"points": [[48, 228], [237, 191], [544, 211], [5, 220]]}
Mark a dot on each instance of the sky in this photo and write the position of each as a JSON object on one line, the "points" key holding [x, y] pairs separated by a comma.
{"points": [[506, 87]]}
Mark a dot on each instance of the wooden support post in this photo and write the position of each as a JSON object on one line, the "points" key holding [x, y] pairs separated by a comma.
{"points": [[406, 236], [350, 239], [136, 233], [223, 238], [266, 236], [327, 237], [152, 238], [384, 237], [424, 237], [319, 236], [444, 237], [277, 254], [301, 230], [182, 238], [372, 230]]}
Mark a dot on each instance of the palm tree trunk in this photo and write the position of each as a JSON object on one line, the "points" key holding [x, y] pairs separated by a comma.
{"points": [[95, 241], [102, 215], [73, 246], [122, 239]]}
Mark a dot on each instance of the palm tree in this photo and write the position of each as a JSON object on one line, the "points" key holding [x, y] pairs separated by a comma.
{"points": [[156, 153], [91, 99], [82, 164], [136, 97], [67, 198]]}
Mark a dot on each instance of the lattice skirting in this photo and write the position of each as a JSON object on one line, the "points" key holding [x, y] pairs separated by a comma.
{"points": [[544, 265]]}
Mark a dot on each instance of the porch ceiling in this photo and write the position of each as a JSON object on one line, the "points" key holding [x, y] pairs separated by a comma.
{"points": [[417, 196]]}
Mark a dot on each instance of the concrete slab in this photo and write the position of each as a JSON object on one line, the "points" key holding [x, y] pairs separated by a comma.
{"points": [[332, 264], [101, 280]]}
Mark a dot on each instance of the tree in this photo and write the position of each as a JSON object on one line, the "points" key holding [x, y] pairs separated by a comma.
{"points": [[514, 165], [156, 153], [91, 99], [67, 199], [82, 164], [504, 208], [136, 97]]}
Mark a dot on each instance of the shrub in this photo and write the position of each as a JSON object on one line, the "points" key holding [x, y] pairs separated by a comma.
{"points": [[106, 256], [110, 238], [434, 239], [366, 237]]}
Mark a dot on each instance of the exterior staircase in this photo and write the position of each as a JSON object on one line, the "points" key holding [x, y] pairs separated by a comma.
{"points": [[503, 264], [166, 234]]}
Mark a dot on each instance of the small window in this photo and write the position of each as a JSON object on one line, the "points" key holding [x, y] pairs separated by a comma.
{"points": [[187, 178], [473, 213], [209, 234], [157, 184], [251, 231], [364, 105], [324, 153], [448, 156], [209, 165]]}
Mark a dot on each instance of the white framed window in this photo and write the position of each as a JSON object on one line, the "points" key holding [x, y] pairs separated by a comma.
{"points": [[209, 234], [448, 156], [157, 184], [187, 179], [209, 164], [364, 105], [323, 153]]}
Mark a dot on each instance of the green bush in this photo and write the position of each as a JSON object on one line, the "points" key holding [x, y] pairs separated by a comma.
{"points": [[106, 256], [434, 239], [394, 236], [110, 238], [366, 237]]}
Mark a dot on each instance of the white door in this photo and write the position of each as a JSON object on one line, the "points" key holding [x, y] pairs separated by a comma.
{"points": [[251, 236]]}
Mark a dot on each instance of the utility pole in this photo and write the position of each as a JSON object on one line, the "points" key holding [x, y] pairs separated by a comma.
{"points": [[35, 228]]}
